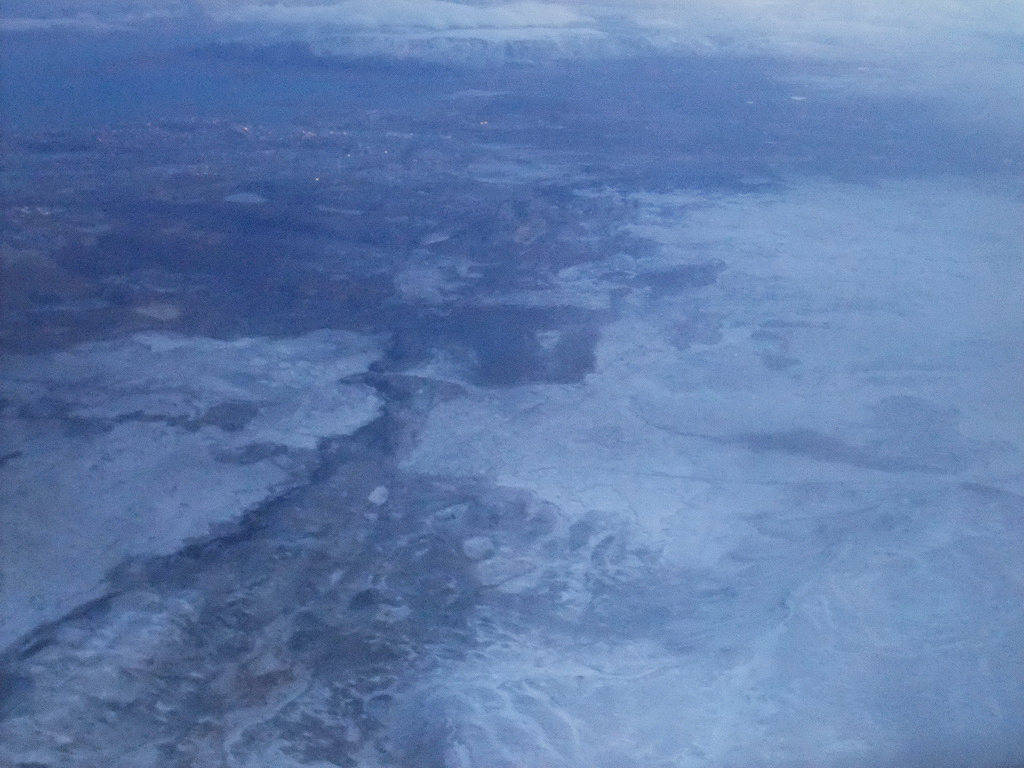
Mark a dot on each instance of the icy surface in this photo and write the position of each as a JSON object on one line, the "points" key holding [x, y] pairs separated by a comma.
{"points": [[823, 474], [777, 520], [131, 448]]}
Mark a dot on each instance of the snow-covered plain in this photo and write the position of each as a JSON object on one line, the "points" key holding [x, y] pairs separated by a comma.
{"points": [[814, 468], [132, 448]]}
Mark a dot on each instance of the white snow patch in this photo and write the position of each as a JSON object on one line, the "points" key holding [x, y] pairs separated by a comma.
{"points": [[131, 447]]}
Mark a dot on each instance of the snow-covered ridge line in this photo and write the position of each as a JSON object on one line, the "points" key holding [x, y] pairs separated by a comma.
{"points": [[862, 29]]}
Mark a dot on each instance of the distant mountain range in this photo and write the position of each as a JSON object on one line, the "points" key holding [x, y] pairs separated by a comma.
{"points": [[468, 47]]}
